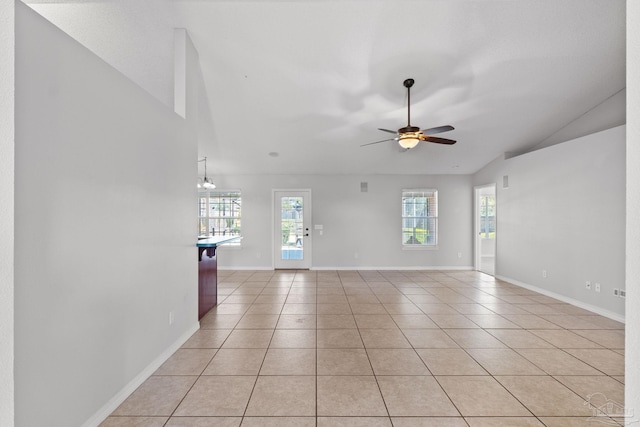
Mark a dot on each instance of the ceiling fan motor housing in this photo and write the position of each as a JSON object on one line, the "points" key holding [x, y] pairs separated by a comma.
{"points": [[408, 129]]}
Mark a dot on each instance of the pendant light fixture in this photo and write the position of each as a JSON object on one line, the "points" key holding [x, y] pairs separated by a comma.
{"points": [[206, 183]]}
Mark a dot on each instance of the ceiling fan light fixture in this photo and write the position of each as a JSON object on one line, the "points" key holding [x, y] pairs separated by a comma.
{"points": [[409, 140]]}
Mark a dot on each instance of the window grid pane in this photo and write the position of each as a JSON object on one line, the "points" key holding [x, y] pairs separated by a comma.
{"points": [[202, 206], [203, 226], [220, 214], [419, 217]]}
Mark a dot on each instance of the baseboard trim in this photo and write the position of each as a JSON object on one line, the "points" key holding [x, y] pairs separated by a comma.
{"points": [[126, 391], [361, 267], [592, 308], [403, 268]]}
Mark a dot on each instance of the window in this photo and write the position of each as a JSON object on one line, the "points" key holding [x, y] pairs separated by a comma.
{"points": [[419, 218], [219, 213]]}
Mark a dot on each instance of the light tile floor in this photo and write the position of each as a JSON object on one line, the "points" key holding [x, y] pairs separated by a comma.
{"points": [[385, 348]]}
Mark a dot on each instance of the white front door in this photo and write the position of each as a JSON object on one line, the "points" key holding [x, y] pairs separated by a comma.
{"points": [[486, 209], [292, 229]]}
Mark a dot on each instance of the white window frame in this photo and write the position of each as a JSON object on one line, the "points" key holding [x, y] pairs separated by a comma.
{"points": [[406, 193], [209, 218]]}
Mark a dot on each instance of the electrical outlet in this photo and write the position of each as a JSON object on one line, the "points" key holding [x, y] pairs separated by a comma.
{"points": [[623, 293], [587, 285], [544, 274], [597, 287], [616, 292]]}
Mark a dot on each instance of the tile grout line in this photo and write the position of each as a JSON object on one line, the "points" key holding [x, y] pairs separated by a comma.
{"points": [[384, 401], [244, 414]]}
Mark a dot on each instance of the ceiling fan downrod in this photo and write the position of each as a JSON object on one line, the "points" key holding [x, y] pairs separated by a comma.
{"points": [[408, 83]]}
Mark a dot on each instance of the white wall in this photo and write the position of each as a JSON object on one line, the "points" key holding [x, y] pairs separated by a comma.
{"points": [[104, 233], [606, 115], [7, 38], [137, 44], [632, 345], [564, 213], [368, 224]]}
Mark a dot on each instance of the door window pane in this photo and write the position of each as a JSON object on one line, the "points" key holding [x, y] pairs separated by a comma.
{"points": [[292, 227]]}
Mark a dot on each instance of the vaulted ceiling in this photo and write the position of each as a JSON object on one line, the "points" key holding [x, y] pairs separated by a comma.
{"points": [[297, 86]]}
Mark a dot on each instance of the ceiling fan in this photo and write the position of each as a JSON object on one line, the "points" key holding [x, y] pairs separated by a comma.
{"points": [[409, 136]]}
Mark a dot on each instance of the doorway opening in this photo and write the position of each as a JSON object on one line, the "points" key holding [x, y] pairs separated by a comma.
{"points": [[485, 229]]}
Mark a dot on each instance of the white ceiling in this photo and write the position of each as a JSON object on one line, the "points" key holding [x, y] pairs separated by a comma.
{"points": [[312, 80]]}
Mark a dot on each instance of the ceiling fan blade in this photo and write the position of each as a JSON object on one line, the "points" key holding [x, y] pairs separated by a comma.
{"points": [[390, 131], [378, 142], [439, 129], [438, 140]]}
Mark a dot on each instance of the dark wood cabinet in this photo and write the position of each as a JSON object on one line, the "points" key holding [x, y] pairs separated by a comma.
{"points": [[207, 280], [208, 272]]}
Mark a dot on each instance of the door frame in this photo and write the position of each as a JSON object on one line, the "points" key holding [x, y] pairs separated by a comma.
{"points": [[309, 244], [477, 264]]}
